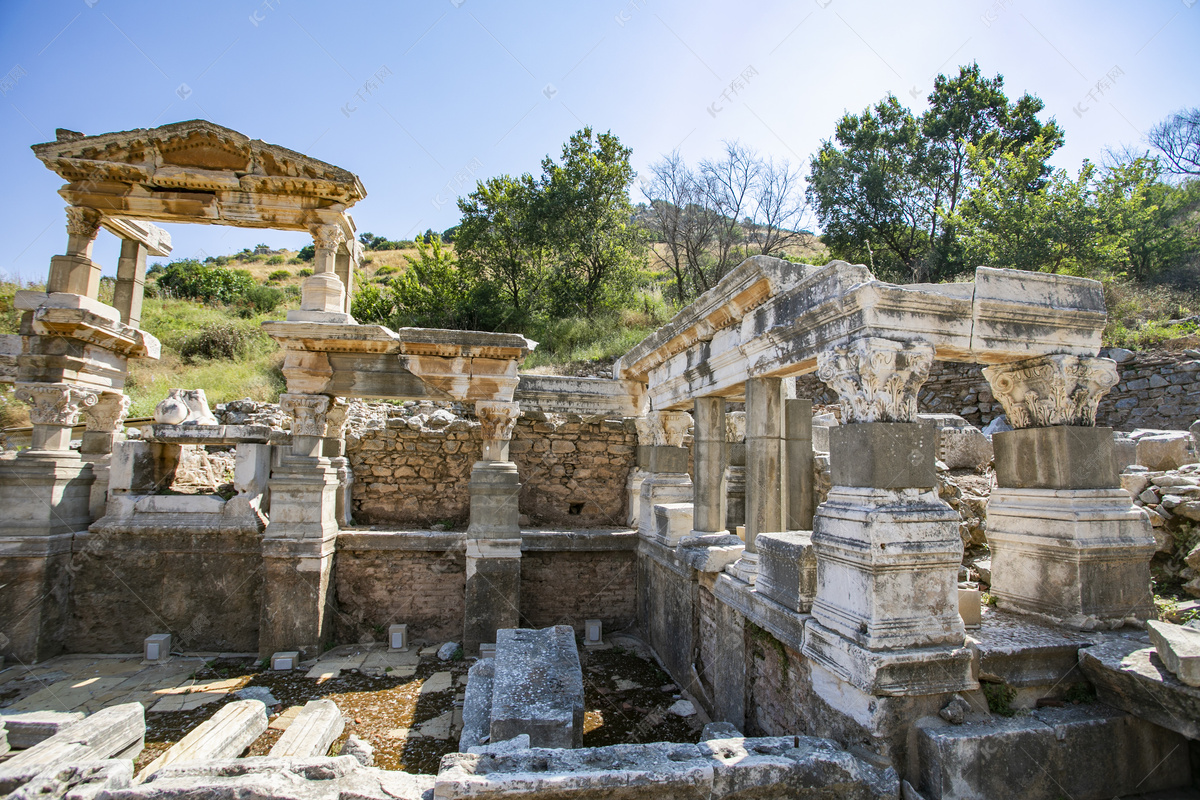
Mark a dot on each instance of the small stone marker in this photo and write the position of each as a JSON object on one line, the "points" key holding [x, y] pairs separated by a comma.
{"points": [[156, 649], [538, 687], [360, 750], [285, 660], [970, 607], [229, 732], [313, 730], [682, 708], [487, 650], [27, 728], [104, 734], [593, 633], [397, 638], [1179, 648]]}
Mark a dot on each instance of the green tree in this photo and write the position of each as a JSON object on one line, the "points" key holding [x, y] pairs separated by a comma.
{"points": [[432, 292], [1146, 218], [501, 238], [588, 220]]}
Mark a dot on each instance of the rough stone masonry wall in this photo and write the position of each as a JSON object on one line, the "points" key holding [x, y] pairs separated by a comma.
{"points": [[1158, 389], [414, 470]]}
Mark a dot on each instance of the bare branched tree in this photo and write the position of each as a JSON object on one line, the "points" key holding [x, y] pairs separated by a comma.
{"points": [[1178, 138]]}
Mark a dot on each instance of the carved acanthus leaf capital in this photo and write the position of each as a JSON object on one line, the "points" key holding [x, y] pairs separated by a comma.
{"points": [[876, 380], [83, 221], [1052, 390], [497, 419], [667, 428], [308, 412], [735, 426], [55, 403], [108, 414], [328, 237], [335, 418]]}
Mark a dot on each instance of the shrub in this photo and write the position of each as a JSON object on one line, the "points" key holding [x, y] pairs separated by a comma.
{"points": [[279, 275], [220, 340], [275, 260], [305, 272], [307, 253], [263, 299], [386, 269], [190, 280]]}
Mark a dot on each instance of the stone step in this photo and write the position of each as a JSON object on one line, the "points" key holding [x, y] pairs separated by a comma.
{"points": [[106, 733], [27, 728], [312, 731], [226, 735], [1086, 752]]}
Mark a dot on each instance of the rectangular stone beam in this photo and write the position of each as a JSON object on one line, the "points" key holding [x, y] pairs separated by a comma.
{"points": [[156, 240], [226, 735], [105, 734], [312, 732]]}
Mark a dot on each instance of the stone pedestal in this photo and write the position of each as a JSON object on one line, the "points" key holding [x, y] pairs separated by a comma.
{"points": [[298, 550], [798, 464], [667, 482], [493, 590], [46, 497]]}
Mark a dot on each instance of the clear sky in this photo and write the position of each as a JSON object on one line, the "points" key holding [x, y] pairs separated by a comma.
{"points": [[491, 87]]}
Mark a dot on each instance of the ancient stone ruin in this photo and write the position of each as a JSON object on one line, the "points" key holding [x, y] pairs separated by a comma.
{"points": [[797, 570]]}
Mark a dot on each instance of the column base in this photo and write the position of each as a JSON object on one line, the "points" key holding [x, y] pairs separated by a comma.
{"points": [[1078, 557], [745, 568], [661, 488], [297, 600], [493, 594], [908, 672], [887, 568]]}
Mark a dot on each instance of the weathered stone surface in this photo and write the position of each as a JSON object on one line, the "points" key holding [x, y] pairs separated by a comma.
{"points": [[1060, 457], [1129, 675], [963, 448], [883, 455], [1042, 754], [359, 749], [538, 687], [311, 733], [477, 705], [787, 569], [86, 780], [1179, 649], [102, 735], [27, 728], [793, 767], [225, 735], [1165, 450]]}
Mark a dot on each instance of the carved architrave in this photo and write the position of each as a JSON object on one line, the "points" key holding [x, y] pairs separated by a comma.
{"points": [[497, 418], [108, 414], [735, 426], [667, 428], [335, 418], [83, 221], [328, 237], [1052, 390], [55, 403], [876, 380], [308, 412]]}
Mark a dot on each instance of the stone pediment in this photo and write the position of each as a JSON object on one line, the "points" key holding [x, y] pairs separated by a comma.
{"points": [[197, 171]]}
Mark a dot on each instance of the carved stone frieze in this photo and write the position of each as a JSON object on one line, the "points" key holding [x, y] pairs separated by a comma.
{"points": [[1052, 390], [308, 412], [876, 380], [55, 403]]}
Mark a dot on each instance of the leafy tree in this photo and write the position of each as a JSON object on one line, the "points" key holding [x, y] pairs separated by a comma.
{"points": [[1144, 217], [372, 305], [589, 222], [307, 253], [189, 279], [885, 183], [501, 238], [432, 292]]}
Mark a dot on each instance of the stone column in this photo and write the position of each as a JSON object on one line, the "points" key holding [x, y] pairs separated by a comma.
{"points": [[1067, 543], [75, 272], [345, 265], [333, 447], [46, 496], [131, 281], [735, 473], [323, 295], [105, 421], [667, 480], [299, 542], [798, 464], [633, 486], [709, 467], [493, 592], [764, 468]]}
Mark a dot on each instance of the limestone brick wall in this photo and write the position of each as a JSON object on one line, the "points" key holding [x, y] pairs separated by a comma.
{"points": [[566, 588], [409, 472], [1158, 389], [778, 686]]}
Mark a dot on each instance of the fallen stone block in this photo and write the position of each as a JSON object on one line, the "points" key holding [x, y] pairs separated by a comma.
{"points": [[1179, 649], [787, 569], [1130, 676], [507, 746], [27, 728], [538, 687], [226, 735], [84, 781], [794, 767], [720, 730], [312, 732], [269, 777], [106, 733], [963, 448], [1086, 751], [1165, 450], [477, 705], [360, 750]]}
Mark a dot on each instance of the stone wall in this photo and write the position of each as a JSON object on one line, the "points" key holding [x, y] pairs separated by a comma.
{"points": [[1158, 389], [413, 470]]}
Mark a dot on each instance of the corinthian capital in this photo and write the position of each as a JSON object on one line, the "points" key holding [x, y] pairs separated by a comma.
{"points": [[497, 419], [328, 237], [83, 221], [308, 412], [1052, 390], [109, 412], [667, 428], [55, 403], [876, 380], [735, 426]]}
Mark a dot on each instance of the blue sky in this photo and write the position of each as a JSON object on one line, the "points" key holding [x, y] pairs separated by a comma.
{"points": [[472, 86]]}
